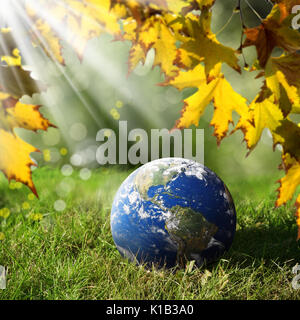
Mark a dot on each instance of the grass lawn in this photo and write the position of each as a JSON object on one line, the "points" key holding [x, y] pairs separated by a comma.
{"points": [[70, 254]]}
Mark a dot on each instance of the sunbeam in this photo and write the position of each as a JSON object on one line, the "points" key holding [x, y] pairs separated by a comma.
{"points": [[51, 25], [42, 40]]}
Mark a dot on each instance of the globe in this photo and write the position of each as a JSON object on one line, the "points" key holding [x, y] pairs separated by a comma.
{"points": [[171, 211]]}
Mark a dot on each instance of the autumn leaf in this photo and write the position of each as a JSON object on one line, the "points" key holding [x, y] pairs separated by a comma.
{"points": [[274, 31], [261, 115], [288, 135], [218, 90], [15, 160], [204, 46], [165, 49], [161, 33], [154, 33], [289, 183], [289, 65], [15, 114], [282, 80], [136, 55]]}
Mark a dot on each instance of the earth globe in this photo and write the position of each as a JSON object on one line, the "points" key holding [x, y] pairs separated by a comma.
{"points": [[171, 211]]}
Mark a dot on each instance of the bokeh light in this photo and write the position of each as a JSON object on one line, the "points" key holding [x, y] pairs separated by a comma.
{"points": [[119, 104], [60, 205], [78, 131], [76, 160], [67, 170], [63, 151], [115, 114], [47, 155], [85, 174]]}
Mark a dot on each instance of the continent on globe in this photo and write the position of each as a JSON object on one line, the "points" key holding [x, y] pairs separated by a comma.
{"points": [[170, 211], [191, 231]]}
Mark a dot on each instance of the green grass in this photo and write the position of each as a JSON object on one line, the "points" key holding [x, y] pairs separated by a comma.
{"points": [[71, 255]]}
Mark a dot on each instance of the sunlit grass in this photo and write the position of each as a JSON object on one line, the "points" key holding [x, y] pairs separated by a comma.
{"points": [[71, 254]]}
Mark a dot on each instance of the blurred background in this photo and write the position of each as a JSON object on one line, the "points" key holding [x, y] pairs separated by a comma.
{"points": [[85, 96]]}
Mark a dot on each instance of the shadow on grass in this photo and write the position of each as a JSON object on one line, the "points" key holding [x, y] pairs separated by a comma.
{"points": [[274, 243]]}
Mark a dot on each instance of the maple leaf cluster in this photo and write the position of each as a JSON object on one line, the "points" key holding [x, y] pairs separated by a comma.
{"points": [[189, 54]]}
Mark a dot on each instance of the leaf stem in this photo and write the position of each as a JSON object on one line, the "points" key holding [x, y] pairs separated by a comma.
{"points": [[239, 8], [226, 24], [253, 10]]}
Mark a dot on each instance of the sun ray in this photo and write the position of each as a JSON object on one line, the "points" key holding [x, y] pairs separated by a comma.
{"points": [[104, 67], [61, 69]]}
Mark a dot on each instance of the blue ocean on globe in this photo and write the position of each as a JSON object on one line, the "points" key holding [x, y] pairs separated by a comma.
{"points": [[171, 211]]}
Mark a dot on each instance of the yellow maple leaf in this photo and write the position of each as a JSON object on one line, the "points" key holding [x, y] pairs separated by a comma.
{"points": [[262, 114], [14, 114], [136, 55], [218, 90], [15, 161], [165, 49], [202, 44], [283, 73], [289, 182], [154, 33]]}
